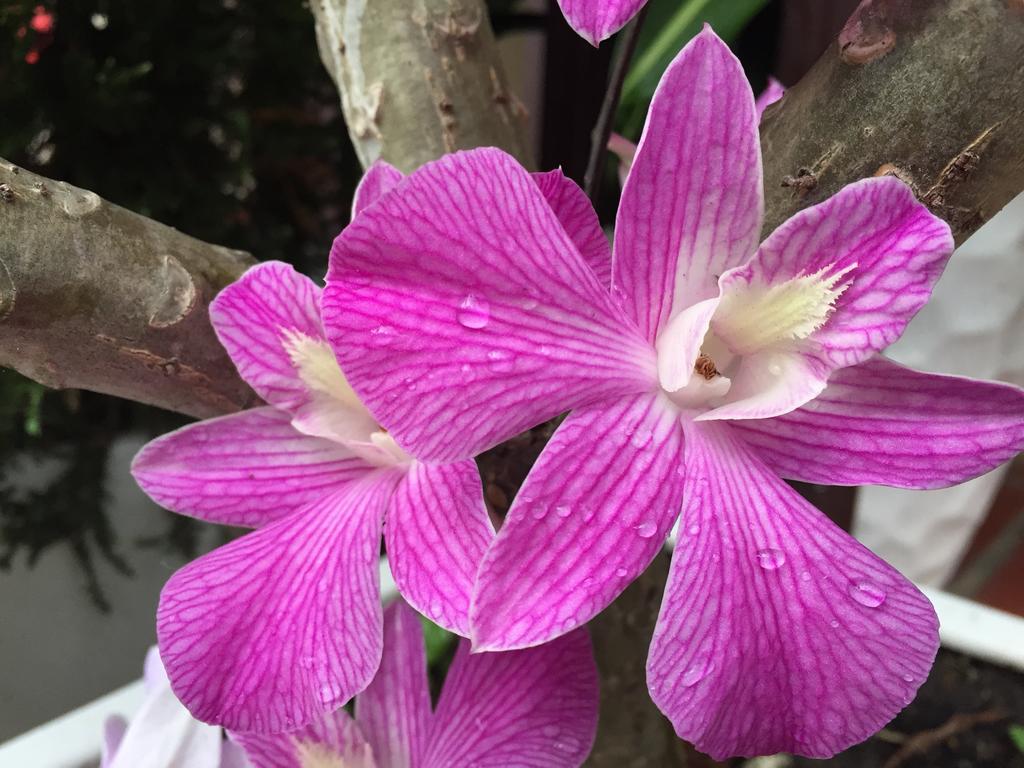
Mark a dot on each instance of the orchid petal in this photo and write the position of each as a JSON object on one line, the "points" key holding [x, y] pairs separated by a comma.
{"points": [[536, 707], [463, 314], [232, 755], [114, 728], [881, 423], [245, 469], [332, 739], [597, 20], [887, 247], [778, 631], [437, 531], [394, 711], [164, 735], [592, 514], [380, 178], [692, 204], [772, 92], [579, 219], [252, 316], [272, 630]]}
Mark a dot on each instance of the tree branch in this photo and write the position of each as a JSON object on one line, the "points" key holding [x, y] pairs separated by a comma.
{"points": [[927, 90], [418, 79], [93, 296]]}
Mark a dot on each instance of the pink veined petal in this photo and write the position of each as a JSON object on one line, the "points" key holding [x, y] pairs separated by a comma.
{"points": [[462, 313], [380, 178], [893, 248], [394, 711], [597, 20], [245, 469], [592, 514], [692, 204], [334, 736], [881, 423], [251, 317], [536, 707], [114, 728], [280, 626], [772, 92], [778, 632], [437, 531], [579, 219]]}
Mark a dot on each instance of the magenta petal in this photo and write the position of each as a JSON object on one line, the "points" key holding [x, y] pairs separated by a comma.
{"points": [[778, 632], [579, 219], [246, 469], [379, 179], [692, 204], [772, 92], [536, 707], [592, 514], [462, 313], [881, 423], [394, 711], [280, 626], [332, 737], [597, 20], [437, 532], [890, 247], [252, 318]]}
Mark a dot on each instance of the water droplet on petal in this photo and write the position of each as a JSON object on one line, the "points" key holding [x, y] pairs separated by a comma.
{"points": [[646, 529], [550, 730], [771, 559], [539, 512], [867, 594], [694, 529], [563, 510], [908, 678], [588, 514], [806, 575], [697, 672], [834, 624], [474, 312], [621, 572]]}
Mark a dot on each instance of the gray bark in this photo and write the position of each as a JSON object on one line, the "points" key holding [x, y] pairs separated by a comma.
{"points": [[93, 296], [418, 79], [927, 90]]}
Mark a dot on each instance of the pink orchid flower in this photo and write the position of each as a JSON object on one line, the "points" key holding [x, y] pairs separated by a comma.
{"points": [[536, 707], [272, 630], [705, 371], [597, 20], [163, 734]]}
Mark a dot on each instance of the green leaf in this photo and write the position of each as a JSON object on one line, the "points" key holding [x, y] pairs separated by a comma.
{"points": [[668, 27], [437, 640], [1017, 736]]}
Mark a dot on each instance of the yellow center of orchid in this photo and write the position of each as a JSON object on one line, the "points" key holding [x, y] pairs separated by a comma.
{"points": [[317, 367], [756, 316], [312, 755]]}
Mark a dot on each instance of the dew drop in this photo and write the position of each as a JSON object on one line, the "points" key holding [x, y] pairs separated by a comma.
{"points": [[550, 730], [694, 530], [563, 510], [771, 559], [697, 672], [867, 594], [474, 312], [539, 512], [646, 529], [834, 624], [908, 678], [805, 576], [500, 360], [588, 514], [621, 572]]}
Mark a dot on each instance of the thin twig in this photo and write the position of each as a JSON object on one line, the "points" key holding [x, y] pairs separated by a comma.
{"points": [[603, 127], [920, 743]]}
